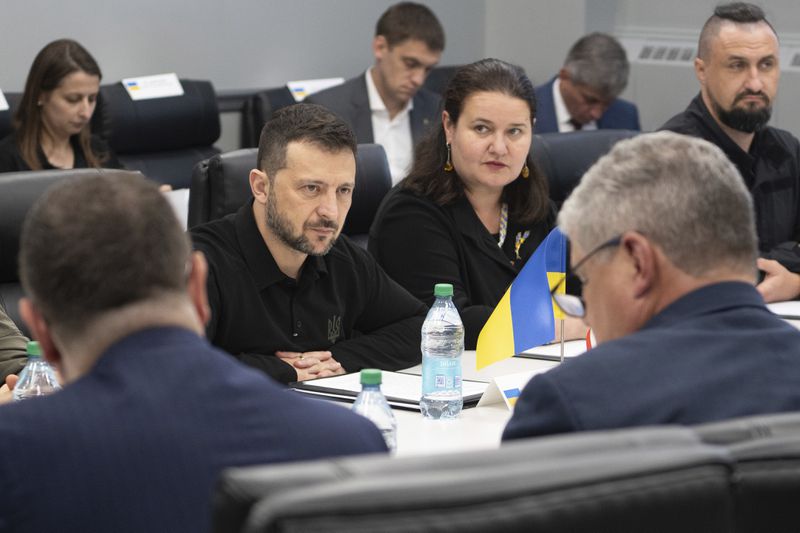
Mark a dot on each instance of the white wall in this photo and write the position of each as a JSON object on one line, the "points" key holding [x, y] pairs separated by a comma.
{"points": [[237, 44]]}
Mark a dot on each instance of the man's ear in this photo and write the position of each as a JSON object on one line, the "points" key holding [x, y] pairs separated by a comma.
{"points": [[643, 260], [41, 331], [563, 75], [379, 47], [259, 185], [700, 70], [197, 288]]}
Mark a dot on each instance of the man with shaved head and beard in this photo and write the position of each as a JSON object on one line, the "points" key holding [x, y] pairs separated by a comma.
{"points": [[738, 70]]}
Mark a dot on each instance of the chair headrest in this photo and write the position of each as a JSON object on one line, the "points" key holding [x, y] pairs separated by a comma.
{"points": [[565, 157], [159, 124], [18, 192], [220, 186]]}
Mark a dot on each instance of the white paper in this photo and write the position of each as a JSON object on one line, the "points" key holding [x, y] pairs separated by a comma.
{"points": [[571, 349], [395, 385], [302, 88], [156, 86], [786, 309], [3, 102], [179, 200]]}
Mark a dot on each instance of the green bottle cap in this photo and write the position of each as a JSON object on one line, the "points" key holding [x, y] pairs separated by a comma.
{"points": [[370, 376], [443, 289], [34, 350]]}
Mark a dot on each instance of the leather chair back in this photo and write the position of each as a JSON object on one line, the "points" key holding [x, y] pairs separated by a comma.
{"points": [[645, 479], [18, 192], [220, 186], [565, 157], [162, 137], [259, 108], [766, 450]]}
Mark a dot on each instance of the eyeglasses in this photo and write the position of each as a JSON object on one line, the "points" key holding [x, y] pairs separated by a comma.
{"points": [[568, 303]]}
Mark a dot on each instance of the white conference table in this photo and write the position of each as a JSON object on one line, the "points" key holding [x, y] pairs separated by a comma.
{"points": [[477, 427]]}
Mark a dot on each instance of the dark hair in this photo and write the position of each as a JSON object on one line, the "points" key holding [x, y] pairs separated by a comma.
{"points": [[527, 198], [736, 12], [95, 243], [597, 60], [408, 20], [52, 64], [301, 122]]}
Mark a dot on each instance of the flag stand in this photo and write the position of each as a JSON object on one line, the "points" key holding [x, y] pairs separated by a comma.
{"points": [[562, 340]]}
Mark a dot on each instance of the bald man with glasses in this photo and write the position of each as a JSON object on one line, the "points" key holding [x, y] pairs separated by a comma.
{"points": [[664, 242]]}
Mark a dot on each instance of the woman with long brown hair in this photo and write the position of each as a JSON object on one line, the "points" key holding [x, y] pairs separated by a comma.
{"points": [[52, 124], [474, 207]]}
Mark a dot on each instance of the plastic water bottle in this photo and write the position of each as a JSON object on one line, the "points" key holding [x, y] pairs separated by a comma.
{"points": [[37, 378], [372, 404], [442, 346]]}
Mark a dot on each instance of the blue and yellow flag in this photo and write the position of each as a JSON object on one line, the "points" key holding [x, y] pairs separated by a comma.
{"points": [[525, 317]]}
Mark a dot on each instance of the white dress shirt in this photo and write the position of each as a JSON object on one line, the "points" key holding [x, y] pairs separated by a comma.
{"points": [[393, 134], [563, 117]]}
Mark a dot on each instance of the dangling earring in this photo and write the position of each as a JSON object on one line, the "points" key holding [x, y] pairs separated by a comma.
{"points": [[525, 171], [448, 166]]}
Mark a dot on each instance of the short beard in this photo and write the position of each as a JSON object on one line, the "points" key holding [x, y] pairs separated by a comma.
{"points": [[743, 119], [282, 228]]}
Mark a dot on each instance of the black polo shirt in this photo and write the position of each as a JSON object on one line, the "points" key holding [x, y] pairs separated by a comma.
{"points": [[342, 302], [771, 171]]}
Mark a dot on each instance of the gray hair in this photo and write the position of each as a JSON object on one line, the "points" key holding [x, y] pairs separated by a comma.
{"points": [[598, 61], [681, 192]]}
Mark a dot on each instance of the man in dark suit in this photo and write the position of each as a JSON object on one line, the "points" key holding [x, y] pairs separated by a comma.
{"points": [[584, 94], [663, 238], [150, 413], [387, 105]]}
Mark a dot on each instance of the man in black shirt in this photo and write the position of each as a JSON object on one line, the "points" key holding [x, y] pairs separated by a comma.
{"points": [[288, 294], [737, 66]]}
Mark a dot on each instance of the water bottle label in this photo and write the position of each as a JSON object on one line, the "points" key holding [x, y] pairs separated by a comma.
{"points": [[440, 374]]}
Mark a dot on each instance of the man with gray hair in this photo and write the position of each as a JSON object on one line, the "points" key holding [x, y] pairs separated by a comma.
{"points": [[664, 241], [150, 412], [738, 68], [584, 95]]}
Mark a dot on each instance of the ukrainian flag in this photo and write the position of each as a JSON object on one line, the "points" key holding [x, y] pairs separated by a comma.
{"points": [[526, 315]]}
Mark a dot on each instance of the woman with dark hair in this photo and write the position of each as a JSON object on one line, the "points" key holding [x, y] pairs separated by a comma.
{"points": [[474, 207], [51, 125]]}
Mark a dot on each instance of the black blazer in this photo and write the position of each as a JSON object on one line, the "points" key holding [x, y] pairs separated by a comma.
{"points": [[350, 101], [419, 244]]}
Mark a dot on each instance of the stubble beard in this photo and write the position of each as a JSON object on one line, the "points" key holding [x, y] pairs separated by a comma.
{"points": [[282, 229]]}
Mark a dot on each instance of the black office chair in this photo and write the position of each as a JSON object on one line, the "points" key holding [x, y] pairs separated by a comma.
{"points": [[162, 137], [259, 108], [18, 192], [220, 186], [766, 450], [646, 479], [565, 157]]}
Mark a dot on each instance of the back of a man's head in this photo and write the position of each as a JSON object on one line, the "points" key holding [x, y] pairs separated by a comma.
{"points": [[309, 123], [598, 61], [736, 13], [680, 192], [409, 20], [94, 244]]}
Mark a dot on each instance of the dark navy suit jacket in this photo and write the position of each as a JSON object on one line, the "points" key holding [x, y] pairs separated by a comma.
{"points": [[713, 354], [620, 115], [138, 443], [350, 101]]}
